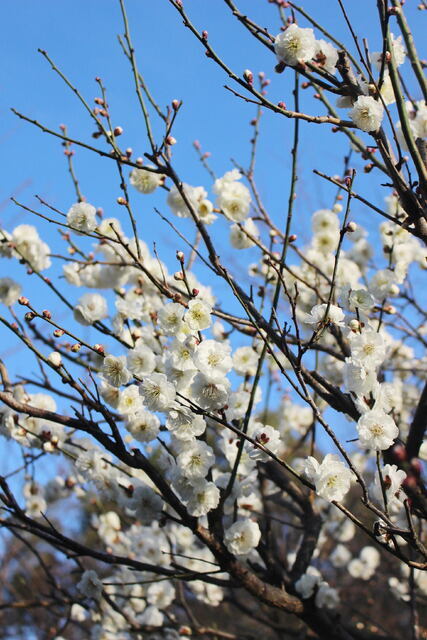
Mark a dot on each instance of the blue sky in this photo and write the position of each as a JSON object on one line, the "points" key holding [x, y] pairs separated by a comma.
{"points": [[81, 37]]}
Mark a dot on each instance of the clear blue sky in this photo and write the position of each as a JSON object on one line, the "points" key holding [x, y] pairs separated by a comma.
{"points": [[81, 36]]}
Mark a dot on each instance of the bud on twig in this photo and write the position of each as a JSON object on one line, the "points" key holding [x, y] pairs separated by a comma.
{"points": [[248, 76], [55, 358], [58, 333], [118, 131], [170, 140], [24, 301], [121, 200], [47, 314]]}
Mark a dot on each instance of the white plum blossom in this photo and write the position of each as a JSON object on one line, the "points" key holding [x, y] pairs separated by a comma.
{"points": [[321, 313], [90, 584], [82, 217], [308, 582], [367, 348], [295, 45], [241, 235], [195, 460], [9, 291], [141, 360], [28, 246], [144, 180], [213, 358], [245, 361], [146, 503], [367, 113], [157, 392], [209, 393], [130, 400], [242, 537], [90, 308], [233, 197], [114, 370], [184, 424], [198, 315], [376, 430], [143, 425], [204, 497], [326, 56], [268, 437], [331, 478]]}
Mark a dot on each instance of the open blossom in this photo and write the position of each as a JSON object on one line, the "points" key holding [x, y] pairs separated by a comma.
{"points": [[241, 236], [213, 358], [307, 583], [233, 197], [367, 113], [29, 246], [334, 315], [146, 503], [209, 393], [332, 478], [195, 460], [326, 56], [193, 195], [198, 315], [90, 308], [204, 497], [393, 478], [90, 585], [376, 430], [295, 45], [114, 370], [367, 348], [184, 424], [143, 425], [270, 438], [82, 217], [245, 361], [399, 53], [130, 400], [141, 360], [242, 537], [9, 291], [158, 394], [145, 181]]}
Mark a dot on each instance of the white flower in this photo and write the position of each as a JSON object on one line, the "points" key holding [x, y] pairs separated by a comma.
{"points": [[209, 394], [326, 596], [398, 53], [376, 430], [358, 379], [213, 358], [157, 392], [90, 585], [332, 478], [184, 424], [195, 460], [359, 299], [146, 503], [367, 113], [198, 315], [194, 196], [9, 291], [141, 360], [383, 284], [28, 245], [241, 240], [144, 426], [269, 437], [129, 400], [340, 556], [245, 361], [367, 348], [205, 497], [335, 315], [295, 45], [326, 56], [161, 594], [114, 370], [90, 308], [234, 198], [82, 217], [55, 358], [170, 318], [307, 583], [146, 181], [242, 537], [325, 220]]}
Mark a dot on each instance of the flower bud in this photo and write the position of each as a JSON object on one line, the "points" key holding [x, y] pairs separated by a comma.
{"points": [[76, 347], [29, 316], [180, 256], [195, 292], [170, 140], [55, 358], [121, 200], [292, 237], [178, 276], [118, 131], [176, 104], [354, 325], [248, 76], [351, 227], [58, 333], [205, 35], [24, 301], [47, 314], [99, 348]]}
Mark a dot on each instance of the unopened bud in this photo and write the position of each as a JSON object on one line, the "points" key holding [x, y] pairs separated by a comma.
{"points": [[180, 256], [248, 76], [195, 292], [118, 131], [205, 35], [47, 314], [354, 325], [23, 300], [55, 358], [99, 348], [178, 275], [139, 161], [177, 297], [121, 200], [58, 333], [176, 104], [76, 347], [281, 105], [170, 140], [29, 316], [292, 237], [129, 152], [390, 309], [351, 227]]}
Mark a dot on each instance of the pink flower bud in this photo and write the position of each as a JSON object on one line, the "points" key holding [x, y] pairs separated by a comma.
{"points": [[23, 300], [176, 104], [47, 314], [205, 35], [58, 333], [29, 316], [195, 292], [121, 201], [248, 76], [118, 131], [281, 105], [170, 140], [99, 348], [180, 256]]}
